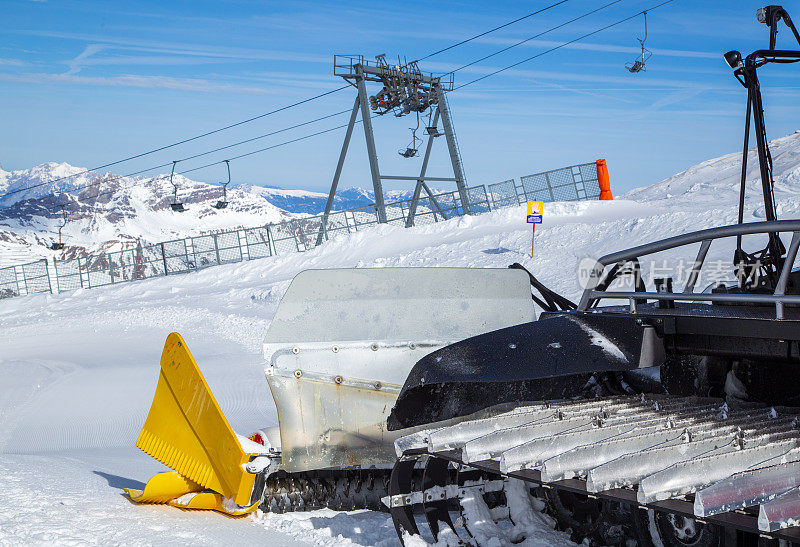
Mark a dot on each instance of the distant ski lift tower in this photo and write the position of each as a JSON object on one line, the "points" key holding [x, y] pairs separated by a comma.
{"points": [[406, 90]]}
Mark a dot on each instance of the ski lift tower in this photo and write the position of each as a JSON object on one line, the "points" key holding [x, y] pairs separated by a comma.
{"points": [[406, 90]]}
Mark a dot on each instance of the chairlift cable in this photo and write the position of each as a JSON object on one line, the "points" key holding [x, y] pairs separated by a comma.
{"points": [[178, 143], [462, 42], [254, 118], [562, 45], [219, 149], [503, 50], [284, 143]]}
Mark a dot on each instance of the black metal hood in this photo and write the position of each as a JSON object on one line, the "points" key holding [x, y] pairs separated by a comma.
{"points": [[551, 358]]}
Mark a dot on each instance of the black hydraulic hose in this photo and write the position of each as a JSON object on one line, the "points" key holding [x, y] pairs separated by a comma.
{"points": [[555, 302]]}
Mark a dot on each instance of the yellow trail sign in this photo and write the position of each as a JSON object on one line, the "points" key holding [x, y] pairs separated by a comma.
{"points": [[534, 217]]}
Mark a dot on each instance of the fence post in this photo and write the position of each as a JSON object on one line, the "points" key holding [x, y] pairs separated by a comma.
{"points": [[295, 229], [164, 258], [16, 280], [324, 227], [485, 197], [110, 268], [47, 273], [24, 279], [216, 249], [549, 186], [520, 191], [243, 247], [271, 240]]}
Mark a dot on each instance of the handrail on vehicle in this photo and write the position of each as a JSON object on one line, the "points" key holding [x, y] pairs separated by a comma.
{"points": [[779, 298]]}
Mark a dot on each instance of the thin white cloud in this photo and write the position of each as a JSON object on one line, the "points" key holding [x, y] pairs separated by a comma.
{"points": [[675, 97], [156, 82], [77, 63], [11, 62], [150, 60], [177, 48]]}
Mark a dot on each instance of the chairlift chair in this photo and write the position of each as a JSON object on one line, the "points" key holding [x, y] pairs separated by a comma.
{"points": [[58, 246], [412, 150], [176, 206], [433, 131], [224, 201], [431, 128], [639, 65]]}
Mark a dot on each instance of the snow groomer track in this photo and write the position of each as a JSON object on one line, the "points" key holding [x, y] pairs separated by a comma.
{"points": [[692, 457]]}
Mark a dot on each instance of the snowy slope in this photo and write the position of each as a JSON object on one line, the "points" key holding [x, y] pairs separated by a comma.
{"points": [[78, 370], [717, 181]]}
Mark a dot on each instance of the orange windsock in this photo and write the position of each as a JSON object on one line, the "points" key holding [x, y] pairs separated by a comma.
{"points": [[603, 180]]}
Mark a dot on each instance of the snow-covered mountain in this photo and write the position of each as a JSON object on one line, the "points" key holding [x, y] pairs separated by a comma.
{"points": [[109, 212], [717, 181], [41, 180]]}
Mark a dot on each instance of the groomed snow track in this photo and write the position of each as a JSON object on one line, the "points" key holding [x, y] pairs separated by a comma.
{"points": [[694, 460]]}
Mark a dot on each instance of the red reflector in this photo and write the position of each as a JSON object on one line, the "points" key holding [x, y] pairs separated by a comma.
{"points": [[256, 437]]}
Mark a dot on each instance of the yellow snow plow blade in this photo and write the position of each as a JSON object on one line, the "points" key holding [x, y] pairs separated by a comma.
{"points": [[176, 490], [186, 431], [163, 488], [211, 501]]}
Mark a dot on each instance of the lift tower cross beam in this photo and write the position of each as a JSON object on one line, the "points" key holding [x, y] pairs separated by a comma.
{"points": [[406, 90]]}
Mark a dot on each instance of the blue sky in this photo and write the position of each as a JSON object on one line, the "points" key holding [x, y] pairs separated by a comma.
{"points": [[90, 82]]}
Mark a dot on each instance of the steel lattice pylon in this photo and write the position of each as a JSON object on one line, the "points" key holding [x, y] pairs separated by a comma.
{"points": [[405, 90]]}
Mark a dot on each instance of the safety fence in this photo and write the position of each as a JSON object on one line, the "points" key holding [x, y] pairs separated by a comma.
{"points": [[573, 183], [24, 279]]}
